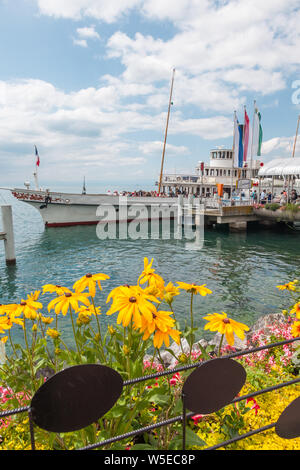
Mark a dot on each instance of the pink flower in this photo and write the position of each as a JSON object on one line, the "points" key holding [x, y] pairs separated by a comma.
{"points": [[197, 418], [255, 405], [174, 380]]}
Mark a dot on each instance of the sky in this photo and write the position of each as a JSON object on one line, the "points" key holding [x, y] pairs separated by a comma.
{"points": [[88, 83]]}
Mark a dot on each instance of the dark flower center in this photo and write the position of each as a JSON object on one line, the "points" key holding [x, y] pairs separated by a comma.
{"points": [[88, 275], [23, 303], [68, 294], [226, 320], [132, 299]]}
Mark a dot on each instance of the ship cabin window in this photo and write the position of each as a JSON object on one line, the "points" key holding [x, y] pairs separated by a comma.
{"points": [[228, 172], [235, 172], [220, 172], [211, 172], [206, 172]]}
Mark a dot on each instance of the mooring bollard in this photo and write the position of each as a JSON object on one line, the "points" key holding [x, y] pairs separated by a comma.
{"points": [[8, 235]]}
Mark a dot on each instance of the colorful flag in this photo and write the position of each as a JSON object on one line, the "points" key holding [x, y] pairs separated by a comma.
{"points": [[241, 151], [238, 143], [246, 136], [257, 134], [37, 156]]}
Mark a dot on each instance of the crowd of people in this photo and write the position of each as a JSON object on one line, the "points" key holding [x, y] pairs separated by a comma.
{"points": [[283, 198], [142, 193]]}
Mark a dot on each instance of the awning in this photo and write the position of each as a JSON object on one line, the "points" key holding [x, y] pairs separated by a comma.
{"points": [[281, 167]]}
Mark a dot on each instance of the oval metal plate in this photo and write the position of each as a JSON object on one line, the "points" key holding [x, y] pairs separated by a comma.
{"points": [[288, 424], [76, 397], [213, 385]]}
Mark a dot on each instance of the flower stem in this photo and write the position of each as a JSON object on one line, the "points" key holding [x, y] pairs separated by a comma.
{"points": [[192, 324], [220, 345], [29, 353], [74, 333]]}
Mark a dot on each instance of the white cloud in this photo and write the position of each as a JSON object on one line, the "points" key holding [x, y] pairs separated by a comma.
{"points": [[108, 11], [80, 42], [88, 32]]}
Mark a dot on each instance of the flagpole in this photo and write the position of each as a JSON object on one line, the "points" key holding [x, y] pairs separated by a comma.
{"points": [[166, 131], [35, 174], [295, 141], [233, 150]]}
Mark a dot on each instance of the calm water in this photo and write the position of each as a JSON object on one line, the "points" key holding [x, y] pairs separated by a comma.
{"points": [[242, 270]]}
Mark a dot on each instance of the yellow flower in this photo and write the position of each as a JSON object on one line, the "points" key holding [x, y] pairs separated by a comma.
{"points": [[149, 275], [53, 333], [7, 308], [67, 300], [34, 295], [111, 330], [160, 321], [295, 329], [46, 320], [90, 310], [59, 290], [296, 309], [28, 308], [83, 318], [4, 324], [161, 337], [4, 339], [132, 303], [89, 281], [224, 325], [194, 289], [287, 286], [169, 292]]}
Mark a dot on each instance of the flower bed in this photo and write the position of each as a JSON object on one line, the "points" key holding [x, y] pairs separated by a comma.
{"points": [[145, 326]]}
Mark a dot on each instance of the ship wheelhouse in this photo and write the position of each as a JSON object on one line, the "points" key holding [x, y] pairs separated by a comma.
{"points": [[219, 170]]}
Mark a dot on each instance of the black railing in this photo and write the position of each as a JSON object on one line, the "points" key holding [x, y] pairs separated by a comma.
{"points": [[185, 414]]}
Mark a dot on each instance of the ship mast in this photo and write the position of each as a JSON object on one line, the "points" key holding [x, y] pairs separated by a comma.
{"points": [[295, 141], [166, 132]]}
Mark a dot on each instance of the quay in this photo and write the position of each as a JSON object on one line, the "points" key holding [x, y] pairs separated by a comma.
{"points": [[7, 235], [210, 211]]}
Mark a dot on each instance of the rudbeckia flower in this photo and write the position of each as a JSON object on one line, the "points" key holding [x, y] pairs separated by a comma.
{"points": [[194, 289], [161, 320], [67, 300], [225, 326], [59, 290], [296, 309], [28, 308], [287, 286], [169, 292], [161, 337], [295, 329], [132, 303], [89, 281], [149, 275]]}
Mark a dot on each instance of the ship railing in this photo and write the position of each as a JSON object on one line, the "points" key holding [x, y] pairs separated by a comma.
{"points": [[290, 422]]}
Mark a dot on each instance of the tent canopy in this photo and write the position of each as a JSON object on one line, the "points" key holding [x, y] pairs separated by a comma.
{"points": [[281, 167]]}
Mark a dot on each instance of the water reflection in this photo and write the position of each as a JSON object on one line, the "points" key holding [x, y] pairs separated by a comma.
{"points": [[242, 269]]}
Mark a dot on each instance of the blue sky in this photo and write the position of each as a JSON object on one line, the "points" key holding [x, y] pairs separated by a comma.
{"points": [[88, 81]]}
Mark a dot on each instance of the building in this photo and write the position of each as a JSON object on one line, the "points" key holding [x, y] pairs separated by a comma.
{"points": [[204, 181]]}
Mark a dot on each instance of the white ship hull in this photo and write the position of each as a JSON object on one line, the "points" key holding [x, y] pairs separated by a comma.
{"points": [[67, 209]]}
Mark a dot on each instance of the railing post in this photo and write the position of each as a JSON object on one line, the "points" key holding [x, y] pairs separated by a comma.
{"points": [[9, 242]]}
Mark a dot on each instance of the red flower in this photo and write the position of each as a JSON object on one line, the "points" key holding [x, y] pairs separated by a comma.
{"points": [[255, 406], [197, 418]]}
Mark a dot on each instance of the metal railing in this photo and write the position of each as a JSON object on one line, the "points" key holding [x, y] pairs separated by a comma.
{"points": [[185, 414]]}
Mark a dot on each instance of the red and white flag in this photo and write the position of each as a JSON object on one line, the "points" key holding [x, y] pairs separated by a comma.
{"points": [[37, 156]]}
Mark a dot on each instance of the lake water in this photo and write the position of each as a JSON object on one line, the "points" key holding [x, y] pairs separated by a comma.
{"points": [[242, 269]]}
